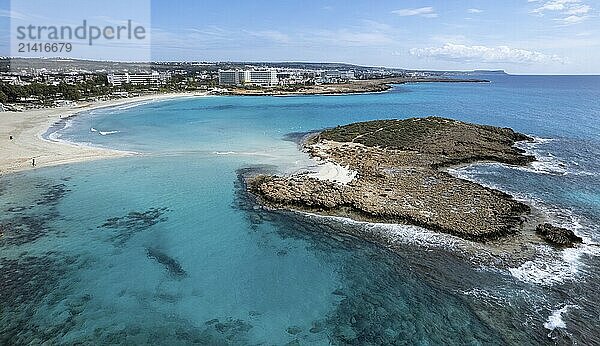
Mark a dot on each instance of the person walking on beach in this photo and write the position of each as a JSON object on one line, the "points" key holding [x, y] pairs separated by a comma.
{"points": [[33, 162]]}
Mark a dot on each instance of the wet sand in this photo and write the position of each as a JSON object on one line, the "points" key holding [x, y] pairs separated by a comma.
{"points": [[27, 127]]}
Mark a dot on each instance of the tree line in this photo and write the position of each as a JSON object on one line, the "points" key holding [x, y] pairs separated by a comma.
{"points": [[96, 86]]}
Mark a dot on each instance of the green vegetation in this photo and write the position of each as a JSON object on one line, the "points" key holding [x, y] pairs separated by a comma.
{"points": [[45, 93], [458, 142], [93, 87], [179, 83], [3, 97]]}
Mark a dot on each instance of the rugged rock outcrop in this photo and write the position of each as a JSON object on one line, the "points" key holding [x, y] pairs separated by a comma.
{"points": [[557, 235], [400, 176]]}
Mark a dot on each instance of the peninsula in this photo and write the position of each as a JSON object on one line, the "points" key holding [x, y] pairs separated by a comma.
{"points": [[350, 87], [395, 171]]}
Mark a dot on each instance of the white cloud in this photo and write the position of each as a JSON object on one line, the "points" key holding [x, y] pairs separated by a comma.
{"points": [[572, 19], [427, 12], [13, 15], [474, 10], [271, 35], [367, 33], [556, 5], [579, 9], [373, 25], [483, 54], [347, 38], [451, 38], [566, 11]]}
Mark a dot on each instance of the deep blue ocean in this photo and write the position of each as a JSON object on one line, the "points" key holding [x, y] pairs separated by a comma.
{"points": [[165, 248]]}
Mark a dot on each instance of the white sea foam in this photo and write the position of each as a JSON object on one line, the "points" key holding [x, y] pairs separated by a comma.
{"points": [[418, 236], [487, 296], [68, 124], [546, 162], [554, 267], [405, 234], [547, 165], [134, 104], [243, 153], [547, 269], [557, 266], [530, 146], [105, 133], [555, 320], [551, 266], [463, 173], [55, 136], [152, 100]]}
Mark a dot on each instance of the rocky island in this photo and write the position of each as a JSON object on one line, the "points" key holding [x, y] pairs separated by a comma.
{"points": [[396, 172]]}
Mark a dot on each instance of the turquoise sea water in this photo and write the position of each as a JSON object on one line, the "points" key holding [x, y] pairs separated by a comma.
{"points": [[164, 248]]}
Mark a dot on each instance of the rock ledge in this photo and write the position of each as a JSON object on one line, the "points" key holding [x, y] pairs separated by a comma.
{"points": [[401, 176], [557, 235]]}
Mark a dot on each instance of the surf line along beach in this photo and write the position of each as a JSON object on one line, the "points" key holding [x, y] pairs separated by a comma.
{"points": [[24, 147]]}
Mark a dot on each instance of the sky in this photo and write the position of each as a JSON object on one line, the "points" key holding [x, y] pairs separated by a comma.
{"points": [[519, 36]]}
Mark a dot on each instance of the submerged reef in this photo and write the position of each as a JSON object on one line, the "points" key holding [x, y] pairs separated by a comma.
{"points": [[53, 194], [24, 284], [134, 222], [171, 264], [32, 219], [400, 176]]}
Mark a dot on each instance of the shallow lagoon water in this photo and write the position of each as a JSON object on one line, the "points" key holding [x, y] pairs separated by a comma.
{"points": [[164, 248], [263, 278]]}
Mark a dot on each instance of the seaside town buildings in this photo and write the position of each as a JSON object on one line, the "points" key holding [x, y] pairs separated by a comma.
{"points": [[336, 76], [265, 77], [11, 80], [154, 78], [33, 82], [270, 77]]}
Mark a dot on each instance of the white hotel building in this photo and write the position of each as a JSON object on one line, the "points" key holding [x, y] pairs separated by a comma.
{"points": [[155, 78], [265, 77]]}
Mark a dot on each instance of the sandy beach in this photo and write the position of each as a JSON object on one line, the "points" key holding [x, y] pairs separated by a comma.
{"points": [[27, 128]]}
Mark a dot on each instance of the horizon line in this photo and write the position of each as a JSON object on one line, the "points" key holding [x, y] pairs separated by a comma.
{"points": [[309, 62]]}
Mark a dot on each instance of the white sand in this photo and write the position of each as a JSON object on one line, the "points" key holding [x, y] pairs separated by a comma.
{"points": [[27, 128], [333, 172], [327, 170]]}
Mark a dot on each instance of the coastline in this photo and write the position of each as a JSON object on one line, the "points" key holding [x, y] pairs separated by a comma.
{"points": [[368, 86], [392, 171], [28, 127]]}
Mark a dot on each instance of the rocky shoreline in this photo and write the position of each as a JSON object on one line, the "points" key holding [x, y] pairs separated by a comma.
{"points": [[399, 176]]}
